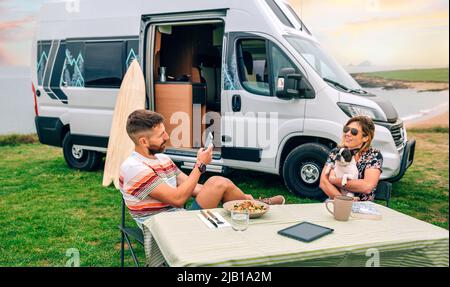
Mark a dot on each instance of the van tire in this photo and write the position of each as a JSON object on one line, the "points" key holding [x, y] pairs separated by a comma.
{"points": [[309, 158], [88, 160]]}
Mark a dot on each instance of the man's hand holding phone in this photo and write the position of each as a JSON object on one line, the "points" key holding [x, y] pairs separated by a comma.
{"points": [[204, 155]]}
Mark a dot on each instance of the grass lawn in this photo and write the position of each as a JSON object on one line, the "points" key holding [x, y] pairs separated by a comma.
{"points": [[419, 75], [47, 208]]}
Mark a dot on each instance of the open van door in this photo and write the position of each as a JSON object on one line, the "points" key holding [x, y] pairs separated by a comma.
{"points": [[188, 48], [253, 116]]}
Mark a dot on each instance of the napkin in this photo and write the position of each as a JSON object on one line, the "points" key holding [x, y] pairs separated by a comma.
{"points": [[210, 225]]}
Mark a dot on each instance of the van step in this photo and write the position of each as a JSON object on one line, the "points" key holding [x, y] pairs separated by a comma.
{"points": [[209, 168]]}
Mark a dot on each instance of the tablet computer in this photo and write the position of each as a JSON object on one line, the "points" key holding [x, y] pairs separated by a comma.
{"points": [[305, 231]]}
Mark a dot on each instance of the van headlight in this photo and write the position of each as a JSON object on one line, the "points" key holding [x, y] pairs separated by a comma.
{"points": [[355, 110]]}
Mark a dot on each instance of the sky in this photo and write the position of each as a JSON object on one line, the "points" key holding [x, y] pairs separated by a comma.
{"points": [[394, 33]]}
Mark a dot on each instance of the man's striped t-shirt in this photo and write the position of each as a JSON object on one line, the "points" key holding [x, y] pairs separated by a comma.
{"points": [[139, 176]]}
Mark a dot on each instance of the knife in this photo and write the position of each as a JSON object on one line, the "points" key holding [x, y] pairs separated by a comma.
{"points": [[208, 218], [214, 217]]}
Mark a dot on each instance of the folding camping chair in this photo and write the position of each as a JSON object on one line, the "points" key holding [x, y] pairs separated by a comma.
{"points": [[383, 191], [127, 233]]}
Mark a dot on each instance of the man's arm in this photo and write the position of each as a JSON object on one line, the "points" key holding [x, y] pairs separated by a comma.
{"points": [[177, 196], [182, 177]]}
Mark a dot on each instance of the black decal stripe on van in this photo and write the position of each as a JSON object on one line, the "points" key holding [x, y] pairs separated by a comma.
{"points": [[49, 69], [52, 77], [242, 153], [55, 80]]}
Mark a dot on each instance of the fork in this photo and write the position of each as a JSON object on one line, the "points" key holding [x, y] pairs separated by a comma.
{"points": [[214, 217]]}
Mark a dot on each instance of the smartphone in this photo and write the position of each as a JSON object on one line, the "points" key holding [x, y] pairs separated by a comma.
{"points": [[209, 140]]}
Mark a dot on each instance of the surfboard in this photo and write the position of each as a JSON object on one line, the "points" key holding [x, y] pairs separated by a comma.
{"points": [[131, 97]]}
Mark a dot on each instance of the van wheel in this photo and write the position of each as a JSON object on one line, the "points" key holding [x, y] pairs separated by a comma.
{"points": [[302, 169], [79, 158]]}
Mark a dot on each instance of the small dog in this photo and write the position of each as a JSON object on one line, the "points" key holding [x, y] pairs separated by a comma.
{"points": [[344, 167]]}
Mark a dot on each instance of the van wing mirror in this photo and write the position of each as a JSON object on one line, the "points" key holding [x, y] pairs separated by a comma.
{"points": [[293, 86]]}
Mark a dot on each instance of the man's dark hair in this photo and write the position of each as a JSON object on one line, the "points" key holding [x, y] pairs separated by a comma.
{"points": [[141, 121]]}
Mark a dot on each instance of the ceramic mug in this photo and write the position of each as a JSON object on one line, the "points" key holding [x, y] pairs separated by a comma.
{"points": [[342, 207]]}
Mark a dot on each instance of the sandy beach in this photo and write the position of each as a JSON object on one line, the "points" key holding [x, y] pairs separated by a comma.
{"points": [[440, 120]]}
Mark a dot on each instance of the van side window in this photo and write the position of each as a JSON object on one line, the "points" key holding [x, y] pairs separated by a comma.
{"points": [[252, 64], [43, 52], [280, 61], [104, 64]]}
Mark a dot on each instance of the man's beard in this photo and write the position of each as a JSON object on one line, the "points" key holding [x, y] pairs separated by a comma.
{"points": [[154, 150]]}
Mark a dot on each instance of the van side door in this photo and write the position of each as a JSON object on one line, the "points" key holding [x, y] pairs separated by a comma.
{"points": [[254, 120]]}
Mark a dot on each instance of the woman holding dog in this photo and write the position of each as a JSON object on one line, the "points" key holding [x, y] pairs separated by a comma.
{"points": [[358, 134]]}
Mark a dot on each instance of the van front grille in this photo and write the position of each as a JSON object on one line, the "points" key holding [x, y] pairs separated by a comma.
{"points": [[398, 135]]}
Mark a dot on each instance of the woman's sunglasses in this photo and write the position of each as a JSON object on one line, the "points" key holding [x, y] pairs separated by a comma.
{"points": [[354, 131]]}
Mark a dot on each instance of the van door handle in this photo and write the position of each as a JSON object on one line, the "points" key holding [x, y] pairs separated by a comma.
{"points": [[226, 139], [236, 103]]}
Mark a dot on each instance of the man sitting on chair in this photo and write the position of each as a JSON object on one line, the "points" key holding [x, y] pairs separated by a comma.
{"points": [[150, 182]]}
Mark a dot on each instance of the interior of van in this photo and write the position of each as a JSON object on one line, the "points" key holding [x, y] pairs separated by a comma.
{"points": [[187, 79]]}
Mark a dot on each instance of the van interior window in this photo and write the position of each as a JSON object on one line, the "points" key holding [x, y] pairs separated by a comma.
{"points": [[187, 70], [253, 66]]}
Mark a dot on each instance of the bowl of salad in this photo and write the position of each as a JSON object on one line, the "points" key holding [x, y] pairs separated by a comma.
{"points": [[255, 208]]}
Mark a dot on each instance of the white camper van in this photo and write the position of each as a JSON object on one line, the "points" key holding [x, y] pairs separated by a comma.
{"points": [[248, 71]]}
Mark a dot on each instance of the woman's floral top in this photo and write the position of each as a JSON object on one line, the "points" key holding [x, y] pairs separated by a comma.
{"points": [[371, 158]]}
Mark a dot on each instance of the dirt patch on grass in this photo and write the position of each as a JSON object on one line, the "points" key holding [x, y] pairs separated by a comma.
{"points": [[18, 139]]}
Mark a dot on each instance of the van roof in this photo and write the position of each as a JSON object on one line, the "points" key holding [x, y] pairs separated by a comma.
{"points": [[61, 19]]}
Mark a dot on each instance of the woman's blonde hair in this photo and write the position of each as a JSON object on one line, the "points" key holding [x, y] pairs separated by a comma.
{"points": [[368, 129]]}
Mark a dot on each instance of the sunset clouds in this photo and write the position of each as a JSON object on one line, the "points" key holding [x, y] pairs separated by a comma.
{"points": [[16, 31], [384, 32]]}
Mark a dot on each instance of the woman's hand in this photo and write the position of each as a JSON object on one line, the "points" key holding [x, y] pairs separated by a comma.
{"points": [[365, 185], [333, 179], [327, 187]]}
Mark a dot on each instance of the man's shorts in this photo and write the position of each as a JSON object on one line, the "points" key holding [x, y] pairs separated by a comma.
{"points": [[195, 206]]}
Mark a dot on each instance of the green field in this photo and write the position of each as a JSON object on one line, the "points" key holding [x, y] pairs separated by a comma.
{"points": [[47, 208], [419, 75]]}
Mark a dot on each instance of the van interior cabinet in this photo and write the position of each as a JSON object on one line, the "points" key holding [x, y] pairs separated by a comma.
{"points": [[191, 53], [183, 105]]}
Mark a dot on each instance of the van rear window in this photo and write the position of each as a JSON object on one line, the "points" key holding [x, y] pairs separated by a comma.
{"points": [[43, 51], [280, 14]]}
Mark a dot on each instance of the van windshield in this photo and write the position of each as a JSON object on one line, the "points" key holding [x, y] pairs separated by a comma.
{"points": [[324, 65]]}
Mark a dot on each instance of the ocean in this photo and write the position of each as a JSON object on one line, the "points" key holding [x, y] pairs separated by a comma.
{"points": [[411, 104]]}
